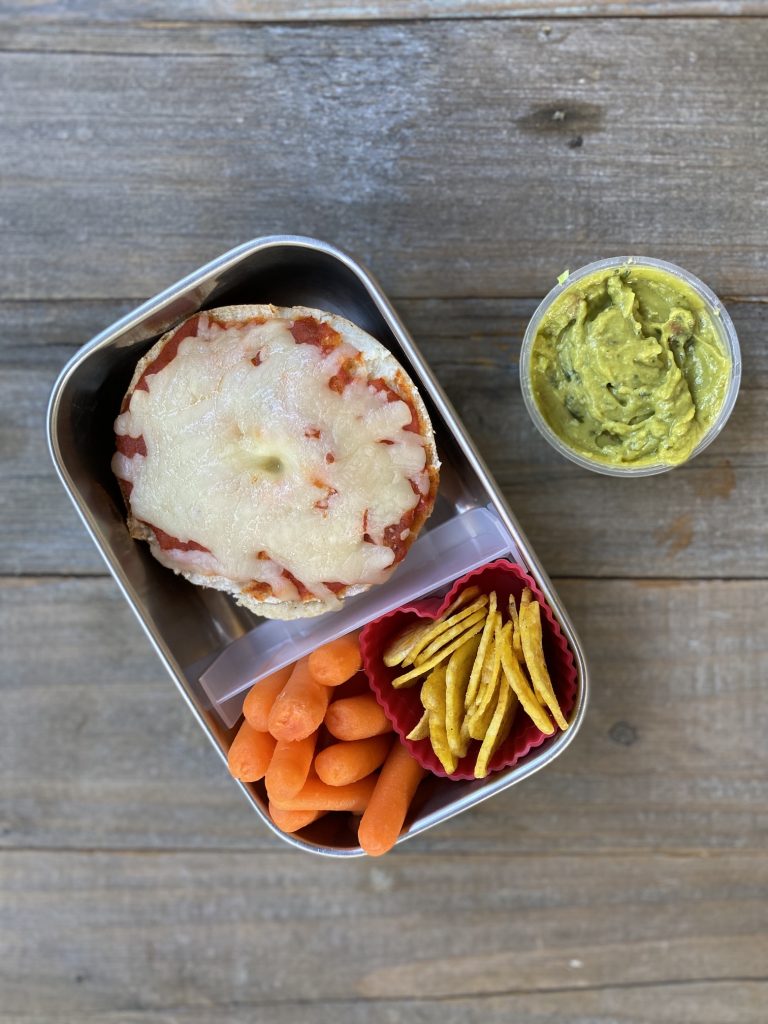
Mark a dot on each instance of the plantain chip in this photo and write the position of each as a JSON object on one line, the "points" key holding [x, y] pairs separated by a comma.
{"points": [[462, 598], [445, 623], [410, 677], [533, 650], [526, 696], [515, 620], [435, 702], [456, 678], [479, 722], [474, 679], [400, 647], [433, 686], [420, 731], [441, 625], [498, 730], [464, 737], [448, 634], [481, 712]]}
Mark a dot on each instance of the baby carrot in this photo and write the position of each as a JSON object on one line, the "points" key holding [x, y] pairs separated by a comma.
{"points": [[262, 696], [336, 662], [384, 816], [356, 718], [342, 763], [292, 821], [299, 707], [316, 796], [250, 754], [289, 767]]}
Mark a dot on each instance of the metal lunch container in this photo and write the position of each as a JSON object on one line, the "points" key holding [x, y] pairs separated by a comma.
{"points": [[191, 627]]}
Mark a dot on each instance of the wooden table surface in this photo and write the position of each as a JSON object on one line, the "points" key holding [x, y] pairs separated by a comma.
{"points": [[467, 151]]}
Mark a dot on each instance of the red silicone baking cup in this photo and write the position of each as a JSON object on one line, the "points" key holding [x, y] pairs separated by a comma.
{"points": [[403, 707]]}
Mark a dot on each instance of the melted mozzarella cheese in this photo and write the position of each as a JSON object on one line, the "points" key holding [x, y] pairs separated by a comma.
{"points": [[266, 465]]}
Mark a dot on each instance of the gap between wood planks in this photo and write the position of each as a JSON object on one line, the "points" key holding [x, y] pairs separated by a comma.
{"points": [[356, 1001], [755, 11], [672, 10]]}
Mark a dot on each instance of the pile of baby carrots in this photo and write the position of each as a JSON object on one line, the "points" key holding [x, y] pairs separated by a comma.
{"points": [[317, 736]]}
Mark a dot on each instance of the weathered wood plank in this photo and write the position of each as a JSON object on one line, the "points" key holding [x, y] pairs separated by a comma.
{"points": [[99, 751], [246, 11], [200, 37], [455, 157], [717, 1002], [99, 932], [706, 519]]}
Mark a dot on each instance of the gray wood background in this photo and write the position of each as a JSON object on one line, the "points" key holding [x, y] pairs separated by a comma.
{"points": [[627, 883]]}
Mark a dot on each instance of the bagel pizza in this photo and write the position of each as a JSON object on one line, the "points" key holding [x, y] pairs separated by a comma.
{"points": [[279, 454]]}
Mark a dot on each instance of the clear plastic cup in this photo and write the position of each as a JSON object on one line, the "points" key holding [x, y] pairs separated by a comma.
{"points": [[720, 318]]}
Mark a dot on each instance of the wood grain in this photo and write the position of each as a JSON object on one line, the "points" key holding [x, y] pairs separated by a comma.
{"points": [[467, 152], [98, 750], [106, 32], [715, 1002], [458, 158], [275, 928], [703, 520], [256, 11]]}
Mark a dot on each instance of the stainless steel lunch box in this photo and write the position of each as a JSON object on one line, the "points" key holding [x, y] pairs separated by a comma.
{"points": [[190, 626]]}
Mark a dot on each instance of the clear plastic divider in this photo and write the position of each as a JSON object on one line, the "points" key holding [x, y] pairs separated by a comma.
{"points": [[438, 557]]}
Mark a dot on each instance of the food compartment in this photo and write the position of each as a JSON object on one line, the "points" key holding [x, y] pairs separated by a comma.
{"points": [[403, 706], [347, 746]]}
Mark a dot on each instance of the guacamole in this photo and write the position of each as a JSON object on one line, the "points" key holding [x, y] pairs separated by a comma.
{"points": [[628, 367]]}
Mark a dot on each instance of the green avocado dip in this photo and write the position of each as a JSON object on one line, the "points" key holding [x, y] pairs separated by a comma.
{"points": [[628, 368]]}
